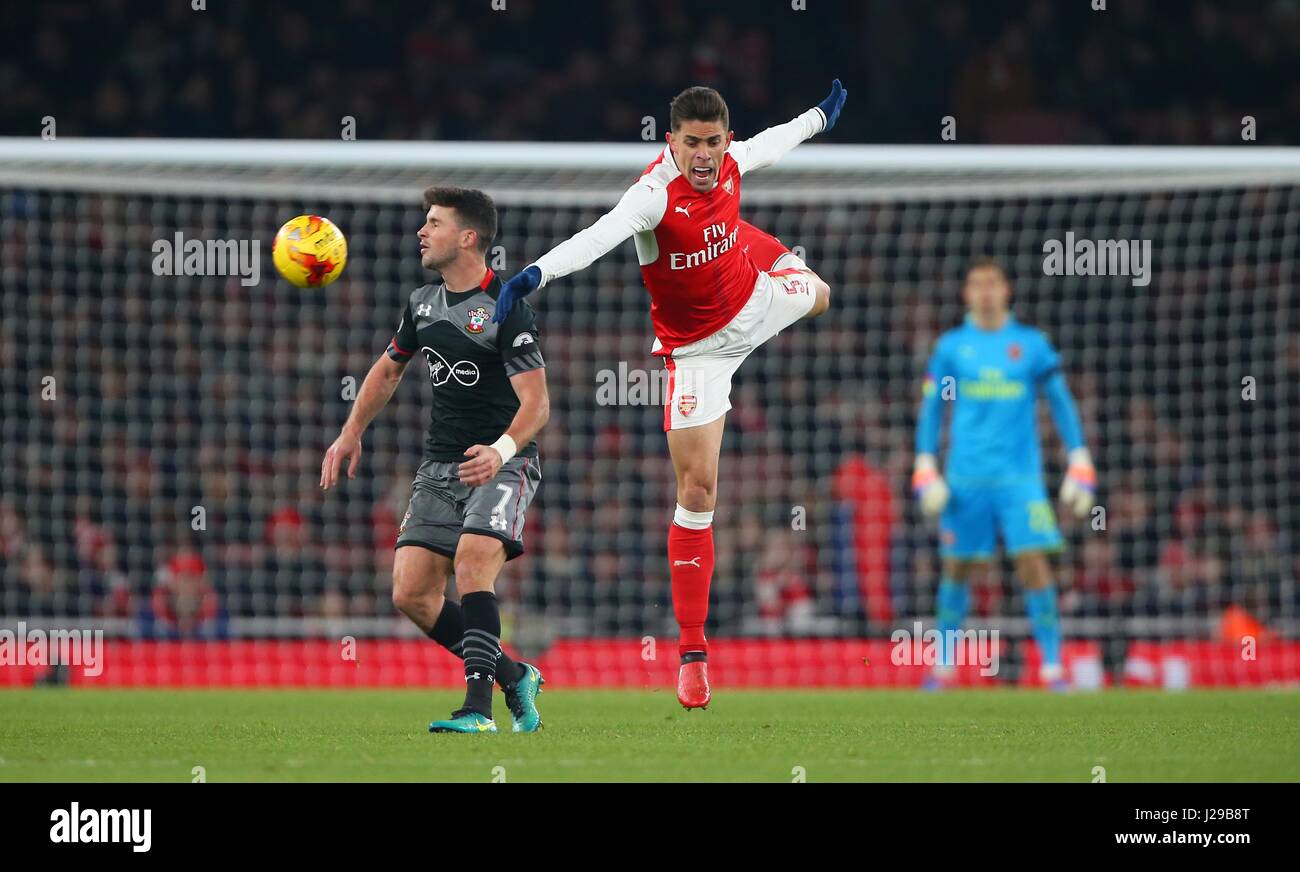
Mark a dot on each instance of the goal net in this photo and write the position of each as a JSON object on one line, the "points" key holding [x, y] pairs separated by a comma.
{"points": [[161, 431]]}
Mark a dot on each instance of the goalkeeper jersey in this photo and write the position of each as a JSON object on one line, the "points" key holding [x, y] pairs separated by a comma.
{"points": [[991, 380]]}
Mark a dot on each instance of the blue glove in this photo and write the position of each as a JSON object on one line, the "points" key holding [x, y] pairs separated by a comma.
{"points": [[514, 289], [832, 105]]}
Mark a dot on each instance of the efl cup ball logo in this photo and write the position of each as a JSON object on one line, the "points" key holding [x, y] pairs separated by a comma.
{"points": [[477, 318], [686, 404]]}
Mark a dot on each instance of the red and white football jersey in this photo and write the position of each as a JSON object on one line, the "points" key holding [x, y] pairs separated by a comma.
{"points": [[687, 243], [765, 250]]}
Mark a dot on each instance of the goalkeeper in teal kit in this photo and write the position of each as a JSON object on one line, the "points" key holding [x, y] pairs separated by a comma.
{"points": [[990, 371]]}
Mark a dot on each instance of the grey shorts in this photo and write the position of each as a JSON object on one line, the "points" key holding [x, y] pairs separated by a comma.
{"points": [[442, 508]]}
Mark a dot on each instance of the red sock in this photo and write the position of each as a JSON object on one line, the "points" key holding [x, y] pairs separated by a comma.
{"points": [[690, 556]]}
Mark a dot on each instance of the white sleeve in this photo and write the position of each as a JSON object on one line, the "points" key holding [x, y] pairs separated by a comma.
{"points": [[772, 144], [640, 209]]}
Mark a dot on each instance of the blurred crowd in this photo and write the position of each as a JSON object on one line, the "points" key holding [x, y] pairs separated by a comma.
{"points": [[1016, 71], [162, 437]]}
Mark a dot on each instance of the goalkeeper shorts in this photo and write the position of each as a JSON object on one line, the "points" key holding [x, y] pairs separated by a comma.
{"points": [[976, 515]]}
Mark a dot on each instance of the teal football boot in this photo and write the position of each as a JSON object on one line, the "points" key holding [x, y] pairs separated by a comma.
{"points": [[464, 721], [521, 698]]}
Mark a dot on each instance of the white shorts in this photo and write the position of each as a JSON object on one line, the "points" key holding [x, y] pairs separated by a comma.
{"points": [[699, 374]]}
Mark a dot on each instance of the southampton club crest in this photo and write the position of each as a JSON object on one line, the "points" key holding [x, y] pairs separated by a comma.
{"points": [[477, 318]]}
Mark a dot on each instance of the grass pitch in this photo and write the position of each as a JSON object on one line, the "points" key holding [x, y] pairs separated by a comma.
{"points": [[335, 735]]}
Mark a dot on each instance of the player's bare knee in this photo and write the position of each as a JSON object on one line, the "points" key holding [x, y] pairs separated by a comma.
{"points": [[695, 495], [413, 602], [415, 591], [823, 298], [968, 571], [406, 593], [478, 559], [1033, 569]]}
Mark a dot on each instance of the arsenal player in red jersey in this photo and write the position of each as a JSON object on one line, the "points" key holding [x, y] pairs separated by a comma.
{"points": [[718, 288]]}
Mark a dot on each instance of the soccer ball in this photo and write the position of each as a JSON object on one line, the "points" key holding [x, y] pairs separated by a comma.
{"points": [[309, 251]]}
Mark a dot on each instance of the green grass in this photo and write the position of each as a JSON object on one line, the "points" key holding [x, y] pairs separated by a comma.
{"points": [[269, 735]]}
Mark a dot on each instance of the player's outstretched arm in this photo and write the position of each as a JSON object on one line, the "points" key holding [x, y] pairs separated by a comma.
{"points": [[375, 393], [639, 210], [1079, 488], [534, 411], [774, 143]]}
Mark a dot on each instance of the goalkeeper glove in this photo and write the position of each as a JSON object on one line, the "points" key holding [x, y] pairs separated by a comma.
{"points": [[832, 105], [928, 485], [1079, 490], [515, 289]]}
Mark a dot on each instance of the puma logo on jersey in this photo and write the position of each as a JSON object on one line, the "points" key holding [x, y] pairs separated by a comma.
{"points": [[685, 210], [694, 561]]}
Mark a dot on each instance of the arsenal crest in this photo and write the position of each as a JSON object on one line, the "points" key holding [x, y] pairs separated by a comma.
{"points": [[477, 317], [686, 404]]}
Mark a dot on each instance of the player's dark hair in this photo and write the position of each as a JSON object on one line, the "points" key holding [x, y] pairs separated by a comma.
{"points": [[474, 209], [698, 104], [987, 262]]}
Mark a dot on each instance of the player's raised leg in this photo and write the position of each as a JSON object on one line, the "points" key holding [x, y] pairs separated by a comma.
{"points": [[772, 256], [694, 452], [822, 291]]}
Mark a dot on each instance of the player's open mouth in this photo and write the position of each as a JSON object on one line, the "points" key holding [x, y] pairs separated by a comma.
{"points": [[702, 173]]}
